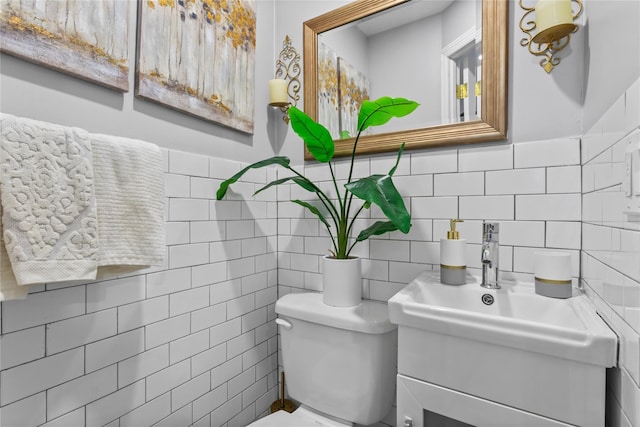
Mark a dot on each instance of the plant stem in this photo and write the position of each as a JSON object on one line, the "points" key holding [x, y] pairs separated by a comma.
{"points": [[353, 158], [335, 184], [351, 247], [353, 154], [353, 220], [343, 235], [333, 241], [343, 239]]}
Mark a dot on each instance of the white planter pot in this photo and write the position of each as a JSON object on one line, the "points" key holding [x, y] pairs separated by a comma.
{"points": [[341, 282]]}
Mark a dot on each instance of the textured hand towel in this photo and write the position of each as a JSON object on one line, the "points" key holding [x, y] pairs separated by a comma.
{"points": [[48, 199], [130, 199], [9, 288]]}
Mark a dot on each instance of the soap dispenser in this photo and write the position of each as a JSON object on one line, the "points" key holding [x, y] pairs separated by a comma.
{"points": [[453, 254]]}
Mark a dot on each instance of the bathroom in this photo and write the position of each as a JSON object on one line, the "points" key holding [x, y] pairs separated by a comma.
{"points": [[195, 342]]}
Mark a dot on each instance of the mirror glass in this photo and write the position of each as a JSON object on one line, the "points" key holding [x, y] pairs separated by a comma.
{"points": [[426, 50], [448, 55]]}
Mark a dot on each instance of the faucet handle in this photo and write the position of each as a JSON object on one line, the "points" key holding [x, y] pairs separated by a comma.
{"points": [[490, 231]]}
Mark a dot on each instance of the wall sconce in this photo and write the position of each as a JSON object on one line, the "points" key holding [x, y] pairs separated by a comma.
{"points": [[284, 88], [553, 25]]}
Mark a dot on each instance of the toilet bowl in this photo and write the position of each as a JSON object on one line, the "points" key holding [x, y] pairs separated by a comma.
{"points": [[340, 362], [301, 417]]}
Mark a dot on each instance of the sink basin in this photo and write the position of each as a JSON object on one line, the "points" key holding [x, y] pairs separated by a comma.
{"points": [[513, 316], [500, 351]]}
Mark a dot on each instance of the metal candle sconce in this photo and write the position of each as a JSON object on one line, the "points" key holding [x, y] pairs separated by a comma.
{"points": [[550, 31], [284, 88]]}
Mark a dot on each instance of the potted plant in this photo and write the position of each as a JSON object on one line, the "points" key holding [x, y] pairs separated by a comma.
{"points": [[338, 215]]}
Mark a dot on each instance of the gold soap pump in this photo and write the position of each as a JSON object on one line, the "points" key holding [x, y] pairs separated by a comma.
{"points": [[453, 253], [453, 234]]}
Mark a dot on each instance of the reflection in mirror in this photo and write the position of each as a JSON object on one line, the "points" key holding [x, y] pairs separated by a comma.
{"points": [[426, 51], [448, 55]]}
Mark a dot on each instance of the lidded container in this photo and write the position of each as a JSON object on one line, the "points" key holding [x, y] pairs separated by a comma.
{"points": [[552, 274], [340, 361], [453, 257]]}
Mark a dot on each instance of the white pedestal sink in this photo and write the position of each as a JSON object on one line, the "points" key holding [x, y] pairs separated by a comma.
{"points": [[507, 357]]}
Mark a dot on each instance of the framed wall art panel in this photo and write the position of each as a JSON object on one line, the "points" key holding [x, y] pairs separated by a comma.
{"points": [[328, 112], [353, 89], [86, 39], [198, 57]]}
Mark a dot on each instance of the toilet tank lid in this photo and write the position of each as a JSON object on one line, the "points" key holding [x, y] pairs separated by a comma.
{"points": [[369, 317]]}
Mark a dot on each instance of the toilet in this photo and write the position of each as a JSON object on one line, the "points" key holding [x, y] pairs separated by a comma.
{"points": [[340, 362]]}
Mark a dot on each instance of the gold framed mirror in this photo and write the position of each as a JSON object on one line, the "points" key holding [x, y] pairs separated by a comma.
{"points": [[491, 126]]}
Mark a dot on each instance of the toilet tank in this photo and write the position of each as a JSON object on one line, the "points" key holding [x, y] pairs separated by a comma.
{"points": [[340, 361]]}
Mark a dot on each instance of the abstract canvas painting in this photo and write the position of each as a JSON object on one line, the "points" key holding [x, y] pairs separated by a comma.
{"points": [[198, 56], [328, 90], [353, 88], [87, 39]]}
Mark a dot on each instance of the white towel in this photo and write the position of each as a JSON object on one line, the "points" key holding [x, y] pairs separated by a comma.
{"points": [[48, 198], [9, 288], [130, 199], [127, 197]]}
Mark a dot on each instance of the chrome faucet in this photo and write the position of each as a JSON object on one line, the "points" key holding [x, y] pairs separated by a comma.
{"points": [[490, 255]]}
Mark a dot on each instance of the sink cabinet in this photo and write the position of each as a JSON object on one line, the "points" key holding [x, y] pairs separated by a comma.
{"points": [[424, 404], [487, 385], [468, 356]]}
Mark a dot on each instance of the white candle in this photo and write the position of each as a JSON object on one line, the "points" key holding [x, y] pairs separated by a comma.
{"points": [[550, 13], [278, 91]]}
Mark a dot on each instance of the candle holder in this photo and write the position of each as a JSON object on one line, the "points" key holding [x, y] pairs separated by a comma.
{"points": [[550, 30], [285, 87]]}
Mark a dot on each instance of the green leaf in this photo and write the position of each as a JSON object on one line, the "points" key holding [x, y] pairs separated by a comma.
{"points": [[345, 134], [316, 137], [302, 182], [380, 111], [380, 227], [313, 210], [379, 190], [393, 169], [224, 186]]}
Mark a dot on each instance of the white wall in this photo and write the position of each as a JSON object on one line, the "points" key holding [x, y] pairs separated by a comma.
{"points": [[458, 18], [546, 116], [612, 62], [520, 185], [409, 69], [610, 243], [40, 93], [534, 196], [349, 43], [193, 341], [611, 248], [532, 185], [541, 106]]}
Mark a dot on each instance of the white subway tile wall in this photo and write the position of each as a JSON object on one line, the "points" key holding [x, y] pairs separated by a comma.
{"points": [[195, 342], [518, 185], [190, 343], [611, 250], [535, 198]]}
